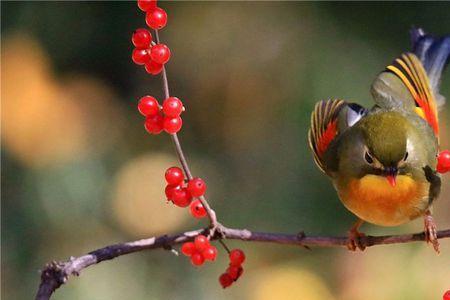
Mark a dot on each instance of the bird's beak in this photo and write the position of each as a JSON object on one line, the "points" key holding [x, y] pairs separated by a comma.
{"points": [[391, 179], [391, 176]]}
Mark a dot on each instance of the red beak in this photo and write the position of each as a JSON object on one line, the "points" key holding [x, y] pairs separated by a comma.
{"points": [[391, 179]]}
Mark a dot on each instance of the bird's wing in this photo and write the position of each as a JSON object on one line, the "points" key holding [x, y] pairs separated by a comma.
{"points": [[405, 84], [328, 120], [434, 54]]}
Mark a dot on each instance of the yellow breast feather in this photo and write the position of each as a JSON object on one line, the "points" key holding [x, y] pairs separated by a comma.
{"points": [[374, 200]]}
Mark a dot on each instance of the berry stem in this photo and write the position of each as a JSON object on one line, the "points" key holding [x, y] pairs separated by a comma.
{"points": [[224, 246], [214, 224]]}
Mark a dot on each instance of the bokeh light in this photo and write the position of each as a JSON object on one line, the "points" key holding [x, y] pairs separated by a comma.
{"points": [[288, 282], [139, 202], [40, 123]]}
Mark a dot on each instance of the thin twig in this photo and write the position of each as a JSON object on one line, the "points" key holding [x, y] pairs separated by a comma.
{"points": [[224, 246], [55, 274], [182, 158]]}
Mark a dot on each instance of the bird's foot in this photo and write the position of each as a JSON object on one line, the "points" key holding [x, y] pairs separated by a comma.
{"points": [[431, 231], [356, 240]]}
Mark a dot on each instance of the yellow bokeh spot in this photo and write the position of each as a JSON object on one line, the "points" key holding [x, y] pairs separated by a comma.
{"points": [[288, 283], [47, 120], [139, 202], [39, 123]]}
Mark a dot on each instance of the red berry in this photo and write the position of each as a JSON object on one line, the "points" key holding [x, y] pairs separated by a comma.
{"points": [[201, 242], [141, 38], [181, 197], [146, 5], [225, 280], [153, 68], [140, 56], [174, 175], [210, 253], [235, 272], [241, 271], [160, 53], [446, 295], [196, 187], [169, 190], [172, 107], [237, 257], [154, 124], [443, 165], [197, 209], [172, 125], [188, 248], [156, 18], [197, 259], [148, 106]]}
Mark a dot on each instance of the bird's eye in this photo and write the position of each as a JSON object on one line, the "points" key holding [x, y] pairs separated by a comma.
{"points": [[368, 158], [405, 157]]}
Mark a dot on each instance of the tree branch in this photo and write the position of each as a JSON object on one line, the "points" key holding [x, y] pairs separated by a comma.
{"points": [[55, 274]]}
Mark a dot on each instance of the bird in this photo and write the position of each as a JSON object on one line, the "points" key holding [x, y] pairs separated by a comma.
{"points": [[382, 160]]}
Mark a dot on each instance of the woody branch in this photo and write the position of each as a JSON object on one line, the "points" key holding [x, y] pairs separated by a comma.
{"points": [[56, 274]]}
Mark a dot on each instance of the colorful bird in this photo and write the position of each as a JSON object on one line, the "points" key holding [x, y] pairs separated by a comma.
{"points": [[382, 161]]}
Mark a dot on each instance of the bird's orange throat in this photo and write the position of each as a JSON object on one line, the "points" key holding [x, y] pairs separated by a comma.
{"points": [[375, 200]]}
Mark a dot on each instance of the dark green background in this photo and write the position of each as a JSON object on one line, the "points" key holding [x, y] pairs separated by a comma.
{"points": [[249, 73]]}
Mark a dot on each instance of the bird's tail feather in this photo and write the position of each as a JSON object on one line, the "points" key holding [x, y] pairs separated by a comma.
{"points": [[434, 53]]}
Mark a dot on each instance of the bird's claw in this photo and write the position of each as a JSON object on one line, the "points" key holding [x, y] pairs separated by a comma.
{"points": [[431, 232], [356, 240]]}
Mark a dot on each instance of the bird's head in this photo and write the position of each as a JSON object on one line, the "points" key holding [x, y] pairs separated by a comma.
{"points": [[380, 147], [385, 149]]}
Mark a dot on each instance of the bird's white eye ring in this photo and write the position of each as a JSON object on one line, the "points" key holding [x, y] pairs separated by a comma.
{"points": [[368, 158]]}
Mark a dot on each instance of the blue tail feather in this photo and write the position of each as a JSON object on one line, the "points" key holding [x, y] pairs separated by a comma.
{"points": [[434, 53]]}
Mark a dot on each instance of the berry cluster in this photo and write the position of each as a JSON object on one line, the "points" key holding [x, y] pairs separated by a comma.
{"points": [[181, 194], [199, 250], [153, 56], [179, 191], [159, 118], [443, 165], [235, 270]]}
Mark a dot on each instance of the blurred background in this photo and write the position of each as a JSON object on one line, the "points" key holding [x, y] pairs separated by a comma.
{"points": [[79, 171]]}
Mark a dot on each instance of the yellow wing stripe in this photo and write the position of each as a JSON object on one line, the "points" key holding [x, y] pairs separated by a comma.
{"points": [[414, 75], [425, 83], [404, 79], [420, 81], [411, 72]]}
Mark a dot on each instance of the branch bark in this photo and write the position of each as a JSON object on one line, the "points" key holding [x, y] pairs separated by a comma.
{"points": [[56, 274]]}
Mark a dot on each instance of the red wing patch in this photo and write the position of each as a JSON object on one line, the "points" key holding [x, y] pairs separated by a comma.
{"points": [[323, 128], [326, 138]]}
